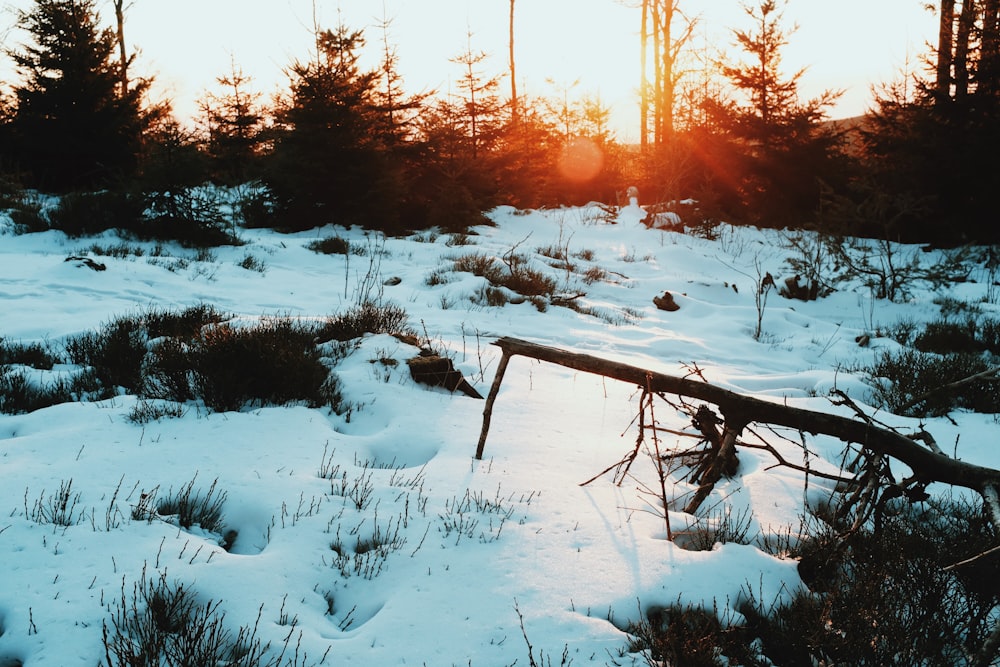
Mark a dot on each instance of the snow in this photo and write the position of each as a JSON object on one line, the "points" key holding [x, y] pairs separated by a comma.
{"points": [[576, 562]]}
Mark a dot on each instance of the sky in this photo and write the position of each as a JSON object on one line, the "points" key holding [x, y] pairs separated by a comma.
{"points": [[486, 556], [586, 46]]}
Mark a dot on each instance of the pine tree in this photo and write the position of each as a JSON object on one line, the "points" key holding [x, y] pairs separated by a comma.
{"points": [[234, 124], [73, 126], [329, 164], [935, 146], [787, 150]]}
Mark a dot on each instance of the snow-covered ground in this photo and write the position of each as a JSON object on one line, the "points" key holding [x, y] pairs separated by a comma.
{"points": [[480, 553]]}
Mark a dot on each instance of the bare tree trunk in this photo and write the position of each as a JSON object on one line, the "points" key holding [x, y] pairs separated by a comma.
{"points": [[667, 64], [946, 38], [123, 66], [513, 76], [657, 75], [966, 25], [989, 57], [644, 80]]}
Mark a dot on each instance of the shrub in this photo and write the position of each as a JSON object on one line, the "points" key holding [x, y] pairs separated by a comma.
{"points": [[717, 527], [83, 213], [58, 509], [28, 217], [18, 394], [367, 317], [192, 508], [185, 324], [594, 274], [459, 239], [438, 277], [252, 263], [888, 594], [944, 337], [274, 363], [935, 615], [914, 383], [529, 282], [145, 411], [168, 371], [165, 624], [690, 636], [119, 250], [487, 295], [331, 245], [480, 265], [115, 353], [34, 355], [194, 217], [516, 276]]}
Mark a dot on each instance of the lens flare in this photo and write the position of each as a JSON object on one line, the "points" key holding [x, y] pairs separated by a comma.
{"points": [[581, 160]]}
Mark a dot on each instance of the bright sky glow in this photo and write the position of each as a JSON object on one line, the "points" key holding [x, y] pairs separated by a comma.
{"points": [[187, 44]]}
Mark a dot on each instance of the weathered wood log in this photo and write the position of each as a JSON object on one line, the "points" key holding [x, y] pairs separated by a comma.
{"points": [[739, 410]]}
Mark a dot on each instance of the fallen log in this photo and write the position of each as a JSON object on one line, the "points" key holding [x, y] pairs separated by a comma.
{"points": [[739, 410]]}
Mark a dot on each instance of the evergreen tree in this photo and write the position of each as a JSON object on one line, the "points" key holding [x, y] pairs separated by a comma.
{"points": [[329, 163], [481, 107], [935, 146], [787, 150], [234, 125], [73, 126]]}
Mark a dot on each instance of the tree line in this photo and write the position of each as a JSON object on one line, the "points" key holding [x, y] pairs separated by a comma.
{"points": [[346, 144]]}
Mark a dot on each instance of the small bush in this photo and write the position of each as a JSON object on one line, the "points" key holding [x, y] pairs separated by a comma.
{"points": [[115, 353], [690, 636], [34, 355], [84, 213], [367, 317], [898, 379], [529, 282], [553, 252], [944, 337], [274, 363], [146, 411], [28, 217], [719, 527], [168, 371], [487, 295], [19, 395], [59, 509], [194, 217], [368, 557], [252, 263], [514, 273], [166, 624], [185, 324], [459, 239], [903, 331], [594, 274], [887, 595], [189, 508], [438, 277], [480, 265], [331, 245], [119, 250]]}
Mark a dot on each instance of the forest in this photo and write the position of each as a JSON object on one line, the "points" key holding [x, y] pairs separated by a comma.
{"points": [[730, 141]]}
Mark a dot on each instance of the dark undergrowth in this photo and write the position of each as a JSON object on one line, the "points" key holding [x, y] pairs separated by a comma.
{"points": [[196, 354], [907, 590]]}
